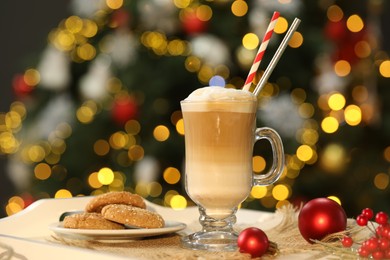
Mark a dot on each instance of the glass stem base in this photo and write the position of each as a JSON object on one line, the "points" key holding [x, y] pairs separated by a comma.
{"points": [[217, 234], [211, 241]]}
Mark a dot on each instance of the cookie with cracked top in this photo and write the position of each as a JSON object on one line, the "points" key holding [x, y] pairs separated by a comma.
{"points": [[132, 216], [90, 221], [116, 197]]}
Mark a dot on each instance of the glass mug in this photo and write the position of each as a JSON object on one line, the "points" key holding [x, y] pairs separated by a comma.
{"points": [[219, 141]]}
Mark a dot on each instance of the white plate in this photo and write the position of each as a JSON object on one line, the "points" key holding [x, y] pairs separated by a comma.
{"points": [[122, 234]]}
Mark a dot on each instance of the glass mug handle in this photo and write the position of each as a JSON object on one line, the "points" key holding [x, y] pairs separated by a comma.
{"points": [[277, 153]]}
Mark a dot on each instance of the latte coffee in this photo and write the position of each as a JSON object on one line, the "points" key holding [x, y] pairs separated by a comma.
{"points": [[219, 136], [220, 133]]}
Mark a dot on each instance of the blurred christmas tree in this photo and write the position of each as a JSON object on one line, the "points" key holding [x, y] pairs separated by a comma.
{"points": [[100, 109]]}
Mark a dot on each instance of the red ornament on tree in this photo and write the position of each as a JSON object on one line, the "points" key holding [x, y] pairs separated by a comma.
{"points": [[253, 241], [192, 24], [344, 40], [321, 217], [21, 88], [120, 18], [124, 109]]}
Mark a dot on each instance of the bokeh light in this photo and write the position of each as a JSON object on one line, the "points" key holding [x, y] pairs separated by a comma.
{"points": [[355, 23], [280, 192], [250, 41], [381, 181], [154, 189], [336, 101], [161, 133], [353, 115], [118, 140], [335, 198], [101, 147], [132, 127], [192, 64], [63, 193], [15, 205], [342, 68], [114, 4], [85, 114], [362, 49], [105, 176], [217, 81], [178, 202], [93, 180], [90, 28], [31, 77], [306, 110], [239, 8], [281, 25], [171, 175], [384, 68], [304, 153], [136, 152], [335, 13], [176, 47], [180, 126], [204, 13], [258, 163], [386, 154], [74, 24], [259, 192], [42, 171], [333, 158], [86, 51], [308, 136], [182, 3], [296, 40], [329, 124]]}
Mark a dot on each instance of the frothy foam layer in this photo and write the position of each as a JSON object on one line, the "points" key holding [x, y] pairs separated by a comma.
{"points": [[209, 99], [220, 94]]}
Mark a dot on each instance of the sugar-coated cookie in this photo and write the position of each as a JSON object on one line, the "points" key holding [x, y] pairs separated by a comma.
{"points": [[132, 216], [118, 197], [89, 221]]}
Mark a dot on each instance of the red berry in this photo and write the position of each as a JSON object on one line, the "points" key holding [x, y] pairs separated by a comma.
{"points": [[386, 232], [378, 254], [361, 220], [381, 218], [363, 252], [372, 244], [346, 241], [368, 213], [364, 245], [387, 254], [379, 230], [384, 243]]}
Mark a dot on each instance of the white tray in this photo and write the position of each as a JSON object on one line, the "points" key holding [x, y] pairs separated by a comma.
{"points": [[27, 232]]}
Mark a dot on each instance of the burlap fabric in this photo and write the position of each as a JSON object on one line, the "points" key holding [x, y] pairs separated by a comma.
{"points": [[285, 235]]}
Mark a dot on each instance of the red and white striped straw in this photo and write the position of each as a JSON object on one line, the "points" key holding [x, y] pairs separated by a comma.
{"points": [[260, 52]]}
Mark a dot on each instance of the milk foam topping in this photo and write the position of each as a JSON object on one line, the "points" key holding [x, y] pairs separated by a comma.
{"points": [[219, 94]]}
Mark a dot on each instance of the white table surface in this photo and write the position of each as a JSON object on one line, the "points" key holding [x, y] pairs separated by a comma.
{"points": [[26, 232]]}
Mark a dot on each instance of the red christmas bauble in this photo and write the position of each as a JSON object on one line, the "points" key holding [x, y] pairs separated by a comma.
{"points": [[124, 109], [253, 241], [192, 24], [21, 88], [336, 31], [321, 217], [120, 18]]}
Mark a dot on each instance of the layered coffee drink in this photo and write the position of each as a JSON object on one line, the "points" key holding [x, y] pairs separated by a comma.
{"points": [[220, 133], [219, 136]]}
